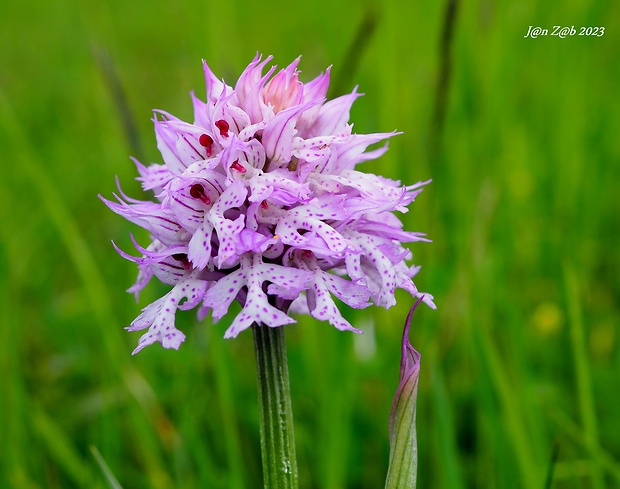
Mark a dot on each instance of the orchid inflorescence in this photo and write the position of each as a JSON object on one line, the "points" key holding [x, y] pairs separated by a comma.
{"points": [[259, 201]]}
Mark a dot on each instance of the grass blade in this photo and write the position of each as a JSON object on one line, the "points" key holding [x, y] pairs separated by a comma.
{"points": [[582, 372], [112, 481]]}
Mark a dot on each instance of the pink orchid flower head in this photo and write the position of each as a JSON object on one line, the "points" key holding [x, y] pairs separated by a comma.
{"points": [[259, 201]]}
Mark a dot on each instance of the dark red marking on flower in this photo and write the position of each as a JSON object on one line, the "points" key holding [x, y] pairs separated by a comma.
{"points": [[182, 257], [223, 126], [206, 141], [198, 192], [238, 166], [264, 205]]}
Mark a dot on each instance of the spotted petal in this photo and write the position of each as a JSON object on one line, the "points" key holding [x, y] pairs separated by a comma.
{"points": [[159, 316], [251, 274]]}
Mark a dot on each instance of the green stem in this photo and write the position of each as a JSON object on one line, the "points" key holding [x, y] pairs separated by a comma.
{"points": [[276, 414]]}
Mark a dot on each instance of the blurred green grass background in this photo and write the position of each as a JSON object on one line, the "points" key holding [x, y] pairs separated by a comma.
{"points": [[520, 364]]}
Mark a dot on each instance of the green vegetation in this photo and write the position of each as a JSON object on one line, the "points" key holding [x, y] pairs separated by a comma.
{"points": [[520, 363]]}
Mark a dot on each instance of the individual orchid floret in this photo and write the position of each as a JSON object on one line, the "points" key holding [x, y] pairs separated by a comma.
{"points": [[259, 201]]}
